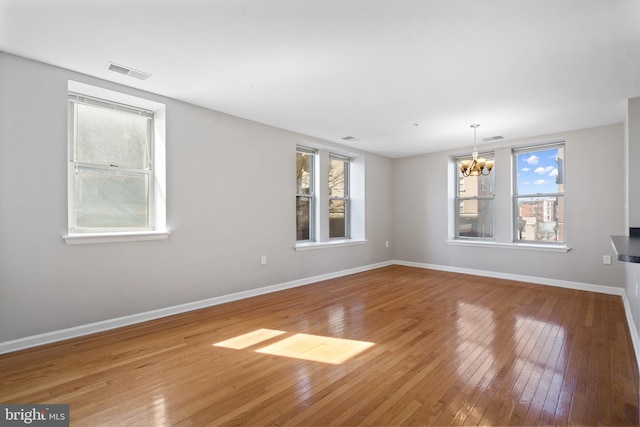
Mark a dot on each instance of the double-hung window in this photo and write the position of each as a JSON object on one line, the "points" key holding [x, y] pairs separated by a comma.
{"points": [[474, 203], [539, 193], [111, 171], [338, 196], [305, 193], [329, 198]]}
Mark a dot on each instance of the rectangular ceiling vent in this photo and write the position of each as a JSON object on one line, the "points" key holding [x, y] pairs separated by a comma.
{"points": [[121, 69], [492, 138], [350, 138]]}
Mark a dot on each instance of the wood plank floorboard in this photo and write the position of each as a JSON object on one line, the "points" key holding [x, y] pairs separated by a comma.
{"points": [[392, 346]]}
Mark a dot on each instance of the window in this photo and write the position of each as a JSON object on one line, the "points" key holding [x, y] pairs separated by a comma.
{"points": [[305, 189], [330, 198], [116, 172], [111, 151], [539, 193], [474, 203], [338, 196]]}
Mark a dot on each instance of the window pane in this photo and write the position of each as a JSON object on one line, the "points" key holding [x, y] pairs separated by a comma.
{"points": [[541, 171], [475, 218], [473, 186], [337, 218], [303, 218], [105, 199], [111, 137], [337, 177], [304, 173], [540, 219]]}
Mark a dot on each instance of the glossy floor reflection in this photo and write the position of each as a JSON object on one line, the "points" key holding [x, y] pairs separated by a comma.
{"points": [[537, 351], [392, 346]]}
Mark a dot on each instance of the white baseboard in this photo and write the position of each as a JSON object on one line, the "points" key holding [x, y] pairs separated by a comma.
{"points": [[90, 328], [610, 290], [635, 338], [518, 277], [63, 334]]}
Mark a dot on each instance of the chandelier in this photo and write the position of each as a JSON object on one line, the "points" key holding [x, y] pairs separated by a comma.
{"points": [[476, 166]]}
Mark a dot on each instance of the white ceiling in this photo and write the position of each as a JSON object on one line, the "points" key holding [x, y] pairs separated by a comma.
{"points": [[371, 69]]}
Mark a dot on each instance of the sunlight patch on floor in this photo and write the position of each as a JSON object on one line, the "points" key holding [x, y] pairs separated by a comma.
{"points": [[249, 339], [315, 348]]}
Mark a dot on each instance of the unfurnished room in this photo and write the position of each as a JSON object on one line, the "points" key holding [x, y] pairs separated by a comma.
{"points": [[314, 213]]}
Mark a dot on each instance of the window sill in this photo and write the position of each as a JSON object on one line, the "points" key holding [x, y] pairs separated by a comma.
{"points": [[519, 246], [306, 246], [129, 236]]}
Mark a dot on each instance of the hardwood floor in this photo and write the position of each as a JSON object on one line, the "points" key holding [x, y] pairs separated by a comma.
{"points": [[392, 346]]}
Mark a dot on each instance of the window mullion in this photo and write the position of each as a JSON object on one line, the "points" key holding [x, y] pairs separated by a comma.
{"points": [[533, 196], [111, 168]]}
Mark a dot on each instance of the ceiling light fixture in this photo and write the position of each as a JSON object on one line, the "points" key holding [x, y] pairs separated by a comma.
{"points": [[476, 166]]}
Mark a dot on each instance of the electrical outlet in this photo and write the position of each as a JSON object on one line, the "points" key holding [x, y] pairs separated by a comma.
{"points": [[606, 259], [263, 259], [386, 244]]}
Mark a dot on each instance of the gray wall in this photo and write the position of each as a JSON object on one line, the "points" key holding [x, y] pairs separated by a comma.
{"points": [[231, 189], [594, 210]]}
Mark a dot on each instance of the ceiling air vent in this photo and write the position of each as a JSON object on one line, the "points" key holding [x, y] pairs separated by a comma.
{"points": [[492, 138], [350, 138], [121, 69]]}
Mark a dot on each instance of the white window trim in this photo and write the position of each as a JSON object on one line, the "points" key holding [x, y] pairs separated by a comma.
{"points": [[347, 195], [159, 231], [502, 236], [312, 190], [356, 200], [501, 245], [115, 237], [333, 243]]}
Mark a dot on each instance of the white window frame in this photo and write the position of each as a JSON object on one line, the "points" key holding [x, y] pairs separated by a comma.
{"points": [[458, 200], [356, 192], [346, 198], [312, 190], [157, 176], [516, 196]]}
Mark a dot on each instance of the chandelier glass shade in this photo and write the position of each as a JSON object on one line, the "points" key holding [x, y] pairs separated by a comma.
{"points": [[476, 166]]}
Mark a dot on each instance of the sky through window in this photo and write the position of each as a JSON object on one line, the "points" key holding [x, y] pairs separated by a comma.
{"points": [[537, 172]]}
